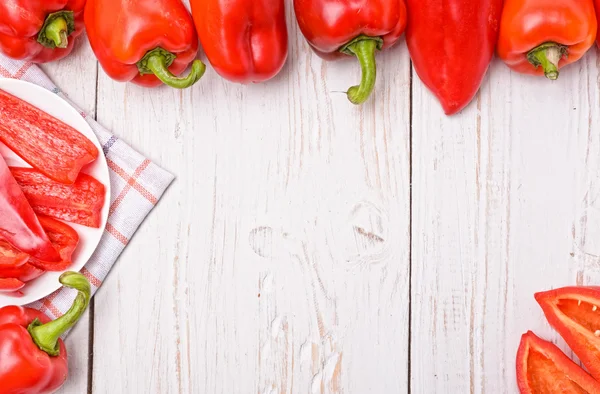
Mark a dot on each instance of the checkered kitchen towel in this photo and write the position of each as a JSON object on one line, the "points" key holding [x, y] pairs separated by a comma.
{"points": [[136, 186]]}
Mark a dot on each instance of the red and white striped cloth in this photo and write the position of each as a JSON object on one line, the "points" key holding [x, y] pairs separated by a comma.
{"points": [[136, 186]]}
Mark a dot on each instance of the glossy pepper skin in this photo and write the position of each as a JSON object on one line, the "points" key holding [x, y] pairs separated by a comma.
{"points": [[40, 31], [147, 42], [19, 225], [574, 312], [543, 368], [33, 358], [358, 28], [539, 37], [451, 44], [245, 40]]}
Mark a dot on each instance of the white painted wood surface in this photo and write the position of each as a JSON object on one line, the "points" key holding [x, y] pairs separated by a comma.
{"points": [[291, 256]]}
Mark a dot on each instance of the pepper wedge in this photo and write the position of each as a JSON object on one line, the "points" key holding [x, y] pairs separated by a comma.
{"points": [[65, 240], [543, 368], [575, 313], [19, 225], [80, 203], [47, 144]]}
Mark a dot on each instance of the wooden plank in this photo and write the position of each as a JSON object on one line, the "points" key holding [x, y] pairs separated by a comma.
{"points": [[504, 198], [278, 261], [76, 76]]}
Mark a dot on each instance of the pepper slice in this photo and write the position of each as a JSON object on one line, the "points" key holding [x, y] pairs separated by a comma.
{"points": [[10, 285], [575, 313], [543, 368], [24, 273], [10, 257], [47, 144], [65, 240], [18, 224], [80, 202]]}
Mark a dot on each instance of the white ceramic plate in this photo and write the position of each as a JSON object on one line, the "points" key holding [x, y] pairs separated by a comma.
{"points": [[89, 238]]}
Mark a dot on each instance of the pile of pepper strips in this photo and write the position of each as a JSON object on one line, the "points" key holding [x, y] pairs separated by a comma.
{"points": [[36, 202], [451, 42]]}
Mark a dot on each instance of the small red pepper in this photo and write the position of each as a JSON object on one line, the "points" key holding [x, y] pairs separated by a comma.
{"points": [[33, 358], [355, 28], [46, 143], [244, 40], [65, 240], [543, 368], [80, 203], [575, 313], [18, 223], [144, 41], [39, 31], [539, 37], [451, 44]]}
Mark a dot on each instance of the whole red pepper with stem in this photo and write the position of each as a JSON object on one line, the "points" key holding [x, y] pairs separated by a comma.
{"points": [[33, 358], [539, 37], [39, 31], [358, 28], [144, 41], [244, 40], [451, 44]]}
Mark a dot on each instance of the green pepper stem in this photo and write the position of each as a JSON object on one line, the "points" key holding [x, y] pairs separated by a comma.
{"points": [[364, 50], [56, 32], [157, 62], [46, 336], [548, 55]]}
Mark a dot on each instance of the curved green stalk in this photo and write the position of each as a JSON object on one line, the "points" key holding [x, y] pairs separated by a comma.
{"points": [[157, 62], [548, 56], [364, 49], [46, 336]]}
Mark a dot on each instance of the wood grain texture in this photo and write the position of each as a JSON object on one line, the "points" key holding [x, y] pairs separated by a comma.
{"points": [[76, 76], [503, 203], [280, 259]]}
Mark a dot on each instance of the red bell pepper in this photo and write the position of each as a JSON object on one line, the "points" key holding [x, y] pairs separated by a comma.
{"points": [[9, 285], [18, 223], [144, 41], [54, 148], [538, 37], [543, 368], [10, 257], [65, 241], [80, 203], [575, 313], [39, 31], [355, 28], [244, 40], [451, 44], [33, 358], [24, 273]]}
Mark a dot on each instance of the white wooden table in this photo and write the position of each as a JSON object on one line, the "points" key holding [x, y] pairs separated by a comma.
{"points": [[310, 246]]}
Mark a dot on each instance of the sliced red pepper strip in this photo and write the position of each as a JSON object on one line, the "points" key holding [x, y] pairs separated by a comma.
{"points": [[11, 284], [575, 313], [80, 202], [543, 368], [65, 240], [18, 223], [47, 144], [24, 273], [10, 257]]}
